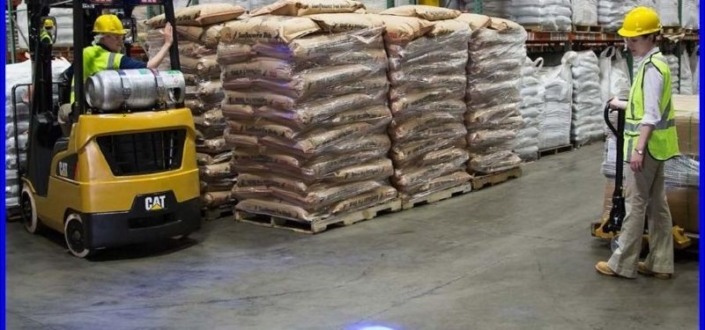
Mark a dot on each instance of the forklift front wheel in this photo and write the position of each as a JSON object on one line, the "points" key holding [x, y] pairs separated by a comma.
{"points": [[28, 209], [75, 236]]}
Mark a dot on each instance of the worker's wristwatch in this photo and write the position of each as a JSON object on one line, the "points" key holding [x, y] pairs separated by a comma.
{"points": [[639, 151]]}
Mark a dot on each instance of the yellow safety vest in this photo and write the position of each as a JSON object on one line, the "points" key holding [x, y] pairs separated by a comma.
{"points": [[45, 36], [663, 143], [96, 59]]}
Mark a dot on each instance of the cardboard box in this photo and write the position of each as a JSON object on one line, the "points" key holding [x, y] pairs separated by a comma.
{"points": [[687, 123], [682, 201]]}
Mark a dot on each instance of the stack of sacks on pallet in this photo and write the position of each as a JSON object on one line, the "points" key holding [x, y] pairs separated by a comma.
{"points": [[427, 54], [584, 12], [690, 14], [555, 120], [549, 15], [16, 74], [668, 12], [198, 29], [532, 101], [306, 102], [587, 120], [686, 75], [492, 8], [682, 178], [675, 68], [610, 14], [496, 54]]}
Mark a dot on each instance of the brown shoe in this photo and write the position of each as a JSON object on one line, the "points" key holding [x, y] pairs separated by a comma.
{"points": [[604, 269], [641, 269]]}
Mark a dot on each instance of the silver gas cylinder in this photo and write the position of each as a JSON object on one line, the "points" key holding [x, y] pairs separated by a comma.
{"points": [[135, 89]]}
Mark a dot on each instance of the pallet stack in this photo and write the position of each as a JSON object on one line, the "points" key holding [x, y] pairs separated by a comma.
{"points": [[305, 98], [532, 100], [198, 31], [427, 50], [587, 121], [496, 56]]}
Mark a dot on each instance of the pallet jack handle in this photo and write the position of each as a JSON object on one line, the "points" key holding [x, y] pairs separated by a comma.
{"points": [[618, 211]]}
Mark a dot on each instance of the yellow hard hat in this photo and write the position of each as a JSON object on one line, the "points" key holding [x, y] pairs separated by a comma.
{"points": [[48, 23], [640, 21], [108, 24]]}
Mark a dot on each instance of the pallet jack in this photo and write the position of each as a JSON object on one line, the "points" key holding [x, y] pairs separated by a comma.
{"points": [[609, 228]]}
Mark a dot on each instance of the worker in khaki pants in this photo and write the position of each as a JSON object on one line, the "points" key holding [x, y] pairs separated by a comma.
{"points": [[649, 139]]}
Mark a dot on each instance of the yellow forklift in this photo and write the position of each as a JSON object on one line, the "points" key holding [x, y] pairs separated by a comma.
{"points": [[609, 227], [125, 171]]}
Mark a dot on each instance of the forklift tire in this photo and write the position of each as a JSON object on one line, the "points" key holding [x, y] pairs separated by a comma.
{"points": [[28, 211], [75, 236]]}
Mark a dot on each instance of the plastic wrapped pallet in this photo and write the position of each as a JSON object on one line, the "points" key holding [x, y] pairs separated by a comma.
{"points": [[306, 107], [555, 120], [668, 12], [690, 14], [587, 118], [584, 12], [16, 74], [426, 98], [532, 100], [549, 15], [496, 55]]}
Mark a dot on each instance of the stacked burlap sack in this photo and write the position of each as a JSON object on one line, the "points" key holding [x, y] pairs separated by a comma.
{"points": [[555, 119], [610, 14], [427, 53], [198, 29], [306, 102], [587, 116], [531, 105], [496, 54]]}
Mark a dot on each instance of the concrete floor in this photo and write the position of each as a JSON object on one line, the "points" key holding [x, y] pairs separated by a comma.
{"points": [[515, 256]]}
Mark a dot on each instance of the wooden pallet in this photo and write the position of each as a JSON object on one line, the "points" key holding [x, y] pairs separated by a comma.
{"points": [[555, 150], [480, 180], [318, 225], [408, 203], [578, 145], [587, 29], [221, 211]]}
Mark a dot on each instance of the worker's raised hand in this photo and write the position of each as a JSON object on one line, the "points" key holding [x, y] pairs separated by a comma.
{"points": [[168, 34]]}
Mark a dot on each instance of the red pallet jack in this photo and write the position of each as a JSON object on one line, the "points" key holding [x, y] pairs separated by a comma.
{"points": [[609, 228]]}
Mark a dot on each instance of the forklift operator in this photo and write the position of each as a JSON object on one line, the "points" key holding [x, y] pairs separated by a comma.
{"points": [[45, 35], [105, 54]]}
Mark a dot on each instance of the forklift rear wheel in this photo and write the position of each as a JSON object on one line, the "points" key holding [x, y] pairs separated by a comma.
{"points": [[28, 210], [75, 236]]}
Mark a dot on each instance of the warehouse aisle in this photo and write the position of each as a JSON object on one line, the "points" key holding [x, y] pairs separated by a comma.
{"points": [[515, 256]]}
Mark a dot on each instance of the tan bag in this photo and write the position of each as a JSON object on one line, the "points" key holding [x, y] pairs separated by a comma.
{"points": [[404, 29], [210, 92], [475, 21], [211, 36], [211, 146], [410, 128], [216, 171], [203, 159], [215, 199], [189, 33], [308, 7], [267, 29], [200, 15], [347, 22], [431, 13], [409, 152], [441, 183], [233, 53], [324, 196], [195, 50], [369, 199], [274, 208]]}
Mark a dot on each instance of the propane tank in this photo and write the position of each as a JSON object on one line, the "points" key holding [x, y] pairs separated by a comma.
{"points": [[135, 89]]}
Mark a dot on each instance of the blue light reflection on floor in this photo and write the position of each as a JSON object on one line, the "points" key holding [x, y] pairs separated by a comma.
{"points": [[372, 326]]}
